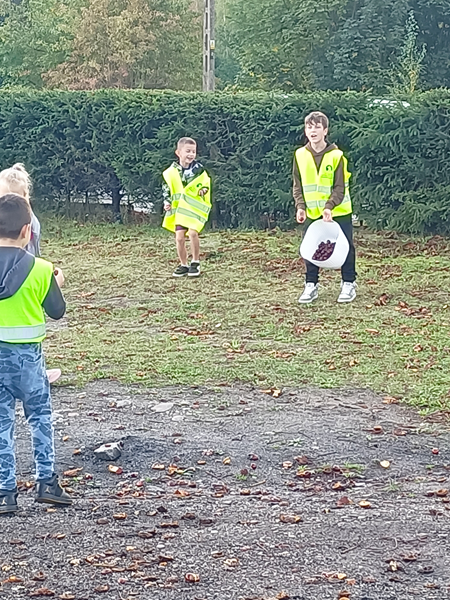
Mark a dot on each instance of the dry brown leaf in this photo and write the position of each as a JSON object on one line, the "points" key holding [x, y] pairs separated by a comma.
{"points": [[287, 464], [192, 577], [114, 469], [291, 519], [120, 516], [385, 464], [344, 501], [231, 562], [390, 400], [42, 592], [158, 467], [73, 472], [102, 588], [365, 504], [227, 460]]}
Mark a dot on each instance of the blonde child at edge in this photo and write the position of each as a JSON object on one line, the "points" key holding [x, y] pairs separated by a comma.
{"points": [[187, 202], [16, 180]]}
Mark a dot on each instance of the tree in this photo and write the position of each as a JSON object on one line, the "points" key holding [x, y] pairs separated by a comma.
{"points": [[131, 44], [275, 43], [407, 74], [35, 36]]}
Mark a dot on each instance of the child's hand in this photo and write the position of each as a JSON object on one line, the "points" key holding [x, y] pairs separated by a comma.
{"points": [[327, 215], [301, 215], [59, 277], [167, 206], [203, 192]]}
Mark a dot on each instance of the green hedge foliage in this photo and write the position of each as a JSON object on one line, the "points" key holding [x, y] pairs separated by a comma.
{"points": [[118, 143]]}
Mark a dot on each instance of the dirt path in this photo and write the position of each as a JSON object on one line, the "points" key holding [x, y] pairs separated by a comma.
{"points": [[211, 519]]}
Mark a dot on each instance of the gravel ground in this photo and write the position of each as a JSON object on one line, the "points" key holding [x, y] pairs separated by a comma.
{"points": [[257, 494]]}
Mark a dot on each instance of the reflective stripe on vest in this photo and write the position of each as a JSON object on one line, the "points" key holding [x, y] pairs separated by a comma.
{"points": [[188, 209], [317, 184], [15, 334], [22, 319]]}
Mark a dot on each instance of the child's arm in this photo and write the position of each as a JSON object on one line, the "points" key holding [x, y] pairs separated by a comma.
{"points": [[337, 195], [54, 303], [300, 203], [166, 196]]}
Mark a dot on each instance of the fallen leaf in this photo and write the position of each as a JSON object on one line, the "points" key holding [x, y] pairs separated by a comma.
{"points": [[65, 438], [114, 469], [42, 592], [390, 400], [67, 596], [158, 467], [227, 461], [400, 432], [291, 519], [287, 464], [120, 516], [13, 579], [385, 464], [393, 566], [344, 501], [170, 525], [102, 588], [442, 493], [192, 577], [373, 331], [435, 451], [231, 562], [73, 472], [365, 504]]}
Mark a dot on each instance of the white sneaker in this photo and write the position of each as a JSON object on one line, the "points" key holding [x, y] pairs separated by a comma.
{"points": [[348, 292], [310, 293]]}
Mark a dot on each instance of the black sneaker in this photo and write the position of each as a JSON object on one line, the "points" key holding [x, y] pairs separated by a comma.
{"points": [[8, 501], [194, 269], [51, 492], [181, 271]]}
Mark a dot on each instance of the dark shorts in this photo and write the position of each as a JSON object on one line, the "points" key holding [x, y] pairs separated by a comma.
{"points": [[180, 228]]}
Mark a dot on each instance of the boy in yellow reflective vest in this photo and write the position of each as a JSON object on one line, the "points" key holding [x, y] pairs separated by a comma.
{"points": [[28, 287], [321, 191], [187, 202]]}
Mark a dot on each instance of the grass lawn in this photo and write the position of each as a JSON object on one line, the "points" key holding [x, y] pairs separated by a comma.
{"points": [[128, 319]]}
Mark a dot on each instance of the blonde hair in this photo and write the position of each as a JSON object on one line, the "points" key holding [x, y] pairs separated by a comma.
{"points": [[15, 180], [185, 141]]}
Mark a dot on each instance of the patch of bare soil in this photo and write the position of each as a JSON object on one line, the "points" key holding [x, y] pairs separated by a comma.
{"points": [[232, 493]]}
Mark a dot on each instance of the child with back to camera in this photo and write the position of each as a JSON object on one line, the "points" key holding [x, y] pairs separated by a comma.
{"points": [[16, 180]]}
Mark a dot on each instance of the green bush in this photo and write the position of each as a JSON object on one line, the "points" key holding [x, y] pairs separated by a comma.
{"points": [[80, 145]]}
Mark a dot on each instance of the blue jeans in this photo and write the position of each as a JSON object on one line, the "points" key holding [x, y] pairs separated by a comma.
{"points": [[23, 377]]}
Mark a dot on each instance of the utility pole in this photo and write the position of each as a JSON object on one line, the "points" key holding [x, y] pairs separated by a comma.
{"points": [[209, 46]]}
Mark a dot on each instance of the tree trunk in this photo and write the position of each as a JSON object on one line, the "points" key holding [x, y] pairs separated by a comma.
{"points": [[116, 198]]}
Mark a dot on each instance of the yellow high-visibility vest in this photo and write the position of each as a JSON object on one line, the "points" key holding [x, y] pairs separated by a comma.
{"points": [[22, 318], [188, 208], [317, 184]]}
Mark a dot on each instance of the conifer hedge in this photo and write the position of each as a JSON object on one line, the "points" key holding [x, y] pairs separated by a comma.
{"points": [[118, 143]]}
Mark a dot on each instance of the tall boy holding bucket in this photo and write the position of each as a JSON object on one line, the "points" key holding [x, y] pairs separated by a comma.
{"points": [[321, 191], [187, 202]]}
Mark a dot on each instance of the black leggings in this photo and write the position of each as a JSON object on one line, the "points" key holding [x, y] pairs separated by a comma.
{"points": [[348, 268]]}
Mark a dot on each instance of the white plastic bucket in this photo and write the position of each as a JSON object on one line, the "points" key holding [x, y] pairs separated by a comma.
{"points": [[318, 232]]}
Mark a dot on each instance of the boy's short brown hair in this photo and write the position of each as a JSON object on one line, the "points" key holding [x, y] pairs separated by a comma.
{"points": [[317, 117], [15, 212], [184, 141]]}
